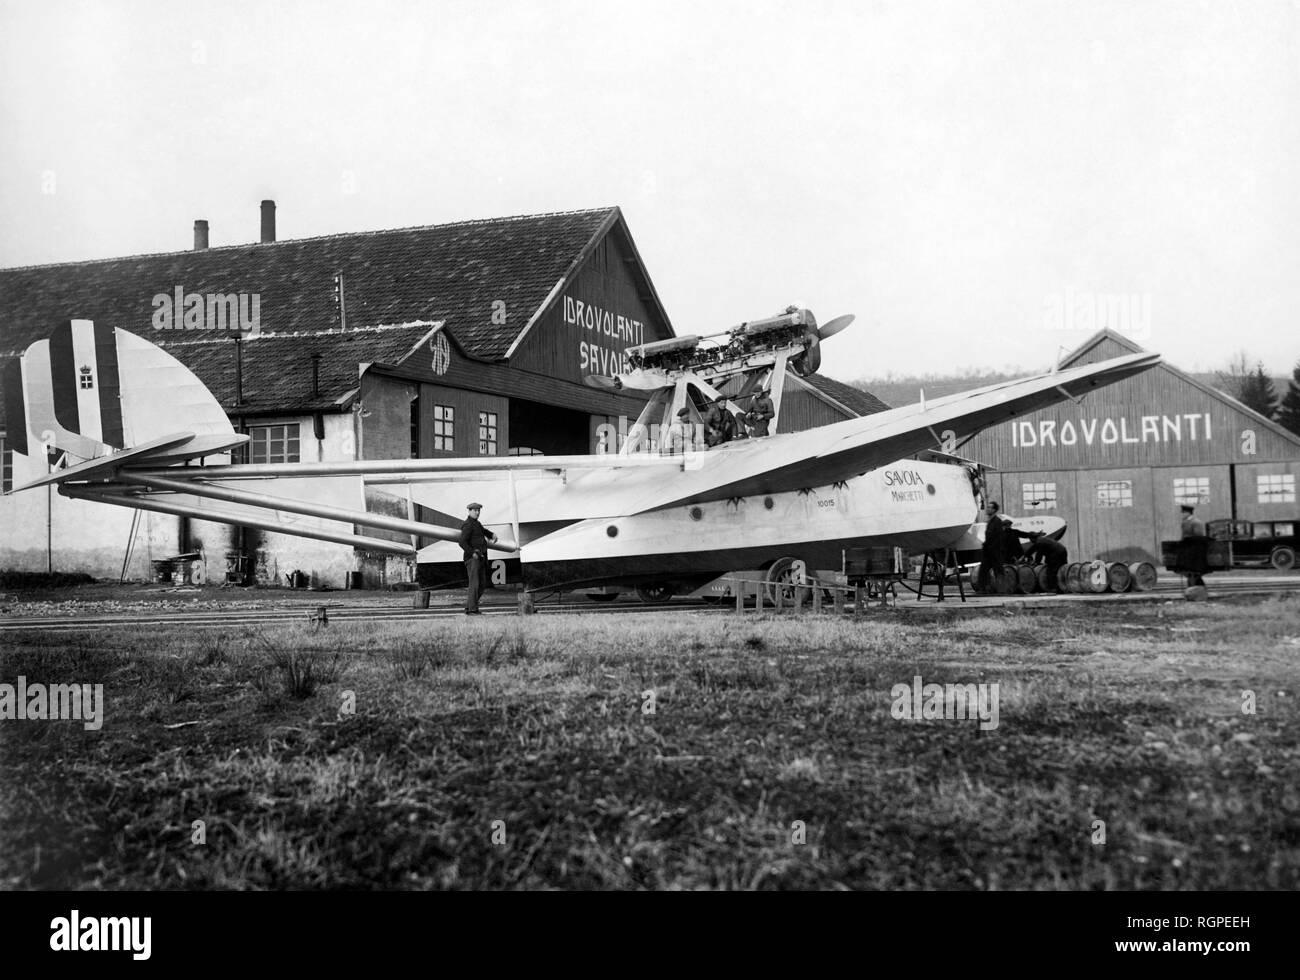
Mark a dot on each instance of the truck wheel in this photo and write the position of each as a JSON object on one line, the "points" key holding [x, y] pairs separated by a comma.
{"points": [[654, 594], [1282, 558]]}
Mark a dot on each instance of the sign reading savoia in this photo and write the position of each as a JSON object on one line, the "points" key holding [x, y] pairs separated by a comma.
{"points": [[623, 332]]}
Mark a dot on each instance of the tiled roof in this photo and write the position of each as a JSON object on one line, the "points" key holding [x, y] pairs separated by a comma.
{"points": [[453, 273], [859, 401], [277, 368]]}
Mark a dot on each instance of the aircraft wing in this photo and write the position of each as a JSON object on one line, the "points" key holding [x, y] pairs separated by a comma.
{"points": [[568, 488], [837, 452], [136, 433]]}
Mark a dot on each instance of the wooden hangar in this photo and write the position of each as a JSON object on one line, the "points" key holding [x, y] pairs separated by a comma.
{"points": [[455, 340], [1118, 464]]}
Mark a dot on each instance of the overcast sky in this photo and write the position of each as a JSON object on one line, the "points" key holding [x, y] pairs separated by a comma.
{"points": [[969, 178]]}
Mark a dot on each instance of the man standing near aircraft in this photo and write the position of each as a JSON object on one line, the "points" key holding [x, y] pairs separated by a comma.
{"points": [[1194, 547], [474, 538], [995, 537], [761, 412]]}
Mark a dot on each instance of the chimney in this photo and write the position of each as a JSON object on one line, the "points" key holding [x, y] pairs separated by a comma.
{"points": [[200, 235], [268, 222]]}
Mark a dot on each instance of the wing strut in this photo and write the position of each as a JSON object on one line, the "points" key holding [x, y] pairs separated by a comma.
{"points": [[268, 502]]}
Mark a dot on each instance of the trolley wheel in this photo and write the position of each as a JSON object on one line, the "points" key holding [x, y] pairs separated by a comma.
{"points": [[654, 594], [782, 575]]}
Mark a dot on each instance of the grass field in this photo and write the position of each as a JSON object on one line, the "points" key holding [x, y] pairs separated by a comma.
{"points": [[527, 753]]}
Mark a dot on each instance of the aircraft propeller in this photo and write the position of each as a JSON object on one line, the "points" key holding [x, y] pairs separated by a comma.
{"points": [[835, 326]]}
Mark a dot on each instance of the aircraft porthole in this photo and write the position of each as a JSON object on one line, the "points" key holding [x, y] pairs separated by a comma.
{"points": [[929, 488], [696, 513], [769, 503], [612, 531]]}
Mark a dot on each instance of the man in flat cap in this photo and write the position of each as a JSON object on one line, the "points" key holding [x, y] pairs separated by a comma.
{"points": [[474, 538], [720, 424], [761, 412], [681, 433], [1193, 549]]}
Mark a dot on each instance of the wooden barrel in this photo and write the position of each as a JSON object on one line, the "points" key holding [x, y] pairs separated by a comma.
{"points": [[1070, 577], [1121, 579], [1044, 584], [1004, 580], [1144, 576], [1028, 580], [1094, 578]]}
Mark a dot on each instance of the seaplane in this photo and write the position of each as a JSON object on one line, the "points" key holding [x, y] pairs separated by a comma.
{"points": [[662, 511]]}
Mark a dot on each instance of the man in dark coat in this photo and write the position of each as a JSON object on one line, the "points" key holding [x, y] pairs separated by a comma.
{"points": [[1001, 546], [761, 412], [474, 538], [993, 554], [1051, 551], [1193, 558], [721, 424]]}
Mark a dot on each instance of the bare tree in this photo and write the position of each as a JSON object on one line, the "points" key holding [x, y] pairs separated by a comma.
{"points": [[1234, 380]]}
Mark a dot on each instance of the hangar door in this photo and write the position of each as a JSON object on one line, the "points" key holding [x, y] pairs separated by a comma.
{"points": [[1116, 516]]}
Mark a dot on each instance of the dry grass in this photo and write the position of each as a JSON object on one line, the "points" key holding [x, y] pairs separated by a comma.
{"points": [[396, 756]]}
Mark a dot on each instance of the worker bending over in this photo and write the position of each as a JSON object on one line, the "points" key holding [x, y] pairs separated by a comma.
{"points": [[1044, 549]]}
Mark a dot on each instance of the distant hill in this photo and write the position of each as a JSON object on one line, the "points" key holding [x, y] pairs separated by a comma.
{"points": [[899, 390]]}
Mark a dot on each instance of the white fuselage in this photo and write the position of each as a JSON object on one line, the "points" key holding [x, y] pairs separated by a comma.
{"points": [[913, 505]]}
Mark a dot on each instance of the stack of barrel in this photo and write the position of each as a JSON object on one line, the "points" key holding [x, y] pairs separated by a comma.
{"points": [[1108, 576], [1080, 577]]}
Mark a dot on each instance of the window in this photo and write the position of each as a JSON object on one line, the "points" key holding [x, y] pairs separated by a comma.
{"points": [[1276, 488], [1115, 493], [487, 433], [524, 451], [444, 428], [1284, 529], [415, 427], [1192, 490], [273, 443], [1038, 496], [6, 466]]}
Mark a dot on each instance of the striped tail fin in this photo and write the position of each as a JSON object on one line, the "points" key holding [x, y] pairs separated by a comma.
{"points": [[94, 392]]}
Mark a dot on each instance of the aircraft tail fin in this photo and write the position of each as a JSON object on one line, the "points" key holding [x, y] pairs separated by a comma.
{"points": [[93, 392]]}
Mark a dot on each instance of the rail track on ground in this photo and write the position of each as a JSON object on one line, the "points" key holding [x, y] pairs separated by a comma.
{"points": [[337, 614], [340, 612]]}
